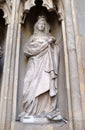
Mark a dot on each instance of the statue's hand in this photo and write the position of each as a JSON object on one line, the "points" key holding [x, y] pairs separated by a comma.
{"points": [[51, 40]]}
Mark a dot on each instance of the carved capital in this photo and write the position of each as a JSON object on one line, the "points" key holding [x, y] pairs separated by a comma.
{"points": [[7, 12], [59, 9]]}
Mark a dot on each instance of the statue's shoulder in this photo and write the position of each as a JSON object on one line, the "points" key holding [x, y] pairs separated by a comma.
{"points": [[30, 38]]}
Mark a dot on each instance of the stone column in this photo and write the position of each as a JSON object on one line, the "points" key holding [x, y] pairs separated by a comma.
{"points": [[73, 69], [67, 76], [4, 91], [9, 69]]}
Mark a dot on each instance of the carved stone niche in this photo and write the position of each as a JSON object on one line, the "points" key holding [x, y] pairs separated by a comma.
{"points": [[32, 10], [51, 5]]}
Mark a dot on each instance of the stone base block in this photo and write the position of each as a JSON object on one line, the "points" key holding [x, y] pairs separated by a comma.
{"points": [[25, 126]]}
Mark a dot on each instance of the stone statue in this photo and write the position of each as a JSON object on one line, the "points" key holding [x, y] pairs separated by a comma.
{"points": [[40, 82]]}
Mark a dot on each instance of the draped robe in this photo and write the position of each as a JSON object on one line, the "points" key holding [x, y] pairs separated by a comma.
{"points": [[40, 82]]}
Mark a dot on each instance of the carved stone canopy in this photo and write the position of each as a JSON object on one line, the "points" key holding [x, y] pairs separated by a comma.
{"points": [[46, 3], [51, 5]]}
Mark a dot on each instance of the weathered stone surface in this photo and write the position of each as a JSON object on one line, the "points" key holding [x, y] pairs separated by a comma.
{"points": [[80, 16], [20, 126], [71, 73]]}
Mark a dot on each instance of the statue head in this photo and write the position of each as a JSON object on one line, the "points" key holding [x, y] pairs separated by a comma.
{"points": [[41, 25]]}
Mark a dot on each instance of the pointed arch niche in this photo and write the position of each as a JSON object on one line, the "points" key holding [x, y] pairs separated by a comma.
{"points": [[54, 14]]}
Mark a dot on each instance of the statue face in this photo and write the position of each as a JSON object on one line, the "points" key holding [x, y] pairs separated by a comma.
{"points": [[41, 25]]}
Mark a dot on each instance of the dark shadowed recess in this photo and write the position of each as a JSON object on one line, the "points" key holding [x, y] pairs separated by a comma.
{"points": [[39, 10], [3, 29]]}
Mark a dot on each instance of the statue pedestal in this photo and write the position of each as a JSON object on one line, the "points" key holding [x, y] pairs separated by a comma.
{"points": [[31, 126], [39, 120]]}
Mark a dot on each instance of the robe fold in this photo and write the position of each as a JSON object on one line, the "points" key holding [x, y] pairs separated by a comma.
{"points": [[40, 82]]}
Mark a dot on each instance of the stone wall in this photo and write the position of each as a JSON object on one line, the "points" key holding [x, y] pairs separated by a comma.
{"points": [[70, 14]]}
